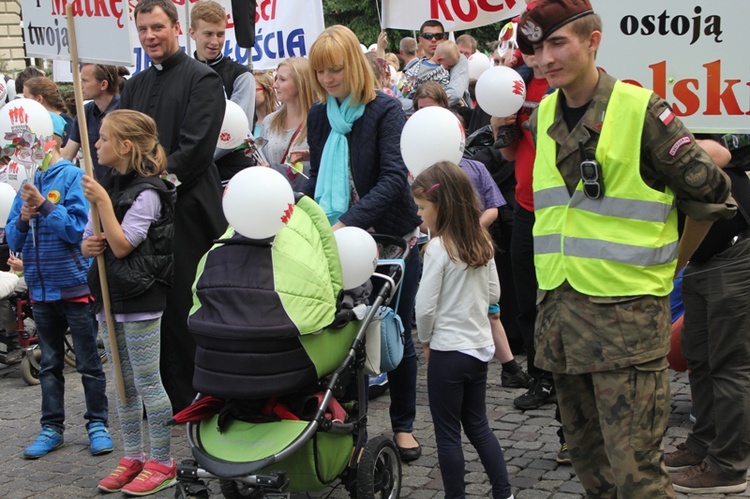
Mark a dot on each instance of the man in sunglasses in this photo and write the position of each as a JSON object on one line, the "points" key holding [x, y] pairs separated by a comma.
{"points": [[455, 82], [430, 34]]}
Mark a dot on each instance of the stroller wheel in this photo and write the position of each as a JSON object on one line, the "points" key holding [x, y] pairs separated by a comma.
{"points": [[379, 470], [30, 366], [191, 490], [237, 490]]}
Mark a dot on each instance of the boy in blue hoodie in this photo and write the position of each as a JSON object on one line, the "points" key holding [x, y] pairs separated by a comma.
{"points": [[46, 223]]}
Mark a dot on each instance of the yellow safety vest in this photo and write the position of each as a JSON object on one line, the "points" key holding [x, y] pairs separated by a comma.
{"points": [[624, 244]]}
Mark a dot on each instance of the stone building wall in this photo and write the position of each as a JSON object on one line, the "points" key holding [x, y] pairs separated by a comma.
{"points": [[11, 42]]}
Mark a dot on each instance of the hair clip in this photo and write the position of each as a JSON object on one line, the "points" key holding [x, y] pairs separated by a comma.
{"points": [[432, 189]]}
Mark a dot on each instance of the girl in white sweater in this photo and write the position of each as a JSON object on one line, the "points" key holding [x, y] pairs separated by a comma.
{"points": [[459, 281]]}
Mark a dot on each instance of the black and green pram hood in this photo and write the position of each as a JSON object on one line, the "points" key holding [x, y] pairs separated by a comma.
{"points": [[262, 310]]}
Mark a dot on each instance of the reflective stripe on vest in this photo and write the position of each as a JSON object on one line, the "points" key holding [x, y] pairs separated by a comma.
{"points": [[624, 244]]}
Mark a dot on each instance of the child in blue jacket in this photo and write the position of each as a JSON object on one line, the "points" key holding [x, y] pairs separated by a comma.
{"points": [[46, 224]]}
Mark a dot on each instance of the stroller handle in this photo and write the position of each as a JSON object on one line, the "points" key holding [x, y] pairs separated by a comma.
{"points": [[386, 240]]}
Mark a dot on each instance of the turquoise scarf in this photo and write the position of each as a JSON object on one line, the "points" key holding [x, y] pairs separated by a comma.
{"points": [[332, 188]]}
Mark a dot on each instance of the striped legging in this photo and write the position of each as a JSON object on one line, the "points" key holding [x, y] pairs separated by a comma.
{"points": [[138, 344]]}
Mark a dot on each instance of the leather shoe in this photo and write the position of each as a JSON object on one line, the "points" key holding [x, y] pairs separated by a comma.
{"points": [[408, 454]]}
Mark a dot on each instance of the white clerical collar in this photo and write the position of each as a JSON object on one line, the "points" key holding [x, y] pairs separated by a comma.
{"points": [[158, 67]]}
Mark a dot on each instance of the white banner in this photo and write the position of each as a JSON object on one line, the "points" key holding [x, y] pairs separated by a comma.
{"points": [[283, 28], [690, 53], [286, 30], [103, 30], [454, 14]]}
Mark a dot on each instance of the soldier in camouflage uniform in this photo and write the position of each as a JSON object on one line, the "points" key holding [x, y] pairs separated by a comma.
{"points": [[612, 161]]}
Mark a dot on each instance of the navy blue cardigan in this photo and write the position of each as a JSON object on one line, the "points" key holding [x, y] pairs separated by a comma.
{"points": [[378, 169]]}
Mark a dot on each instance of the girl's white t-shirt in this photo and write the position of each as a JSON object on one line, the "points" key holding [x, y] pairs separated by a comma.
{"points": [[452, 303]]}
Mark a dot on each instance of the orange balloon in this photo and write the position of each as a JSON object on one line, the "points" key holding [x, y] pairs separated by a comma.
{"points": [[674, 357]]}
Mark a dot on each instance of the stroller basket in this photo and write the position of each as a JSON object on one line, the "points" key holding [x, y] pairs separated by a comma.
{"points": [[250, 448]]}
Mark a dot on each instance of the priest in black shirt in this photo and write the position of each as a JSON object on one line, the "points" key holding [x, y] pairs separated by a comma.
{"points": [[186, 99]]}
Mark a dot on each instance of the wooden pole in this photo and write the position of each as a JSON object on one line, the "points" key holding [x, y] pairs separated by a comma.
{"points": [[80, 113]]}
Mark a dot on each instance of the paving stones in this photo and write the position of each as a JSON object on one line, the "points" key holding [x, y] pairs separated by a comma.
{"points": [[529, 440]]}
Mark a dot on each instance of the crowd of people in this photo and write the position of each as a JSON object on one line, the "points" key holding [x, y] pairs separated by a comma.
{"points": [[582, 207]]}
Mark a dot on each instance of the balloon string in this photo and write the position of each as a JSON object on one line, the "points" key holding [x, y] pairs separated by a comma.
{"points": [[31, 174]]}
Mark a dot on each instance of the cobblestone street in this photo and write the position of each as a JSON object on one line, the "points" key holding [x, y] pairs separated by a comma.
{"points": [[528, 438]]}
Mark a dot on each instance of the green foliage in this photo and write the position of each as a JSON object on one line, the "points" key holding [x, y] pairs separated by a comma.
{"points": [[362, 17], [68, 94]]}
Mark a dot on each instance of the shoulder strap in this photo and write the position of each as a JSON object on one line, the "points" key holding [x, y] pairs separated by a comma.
{"points": [[291, 141]]}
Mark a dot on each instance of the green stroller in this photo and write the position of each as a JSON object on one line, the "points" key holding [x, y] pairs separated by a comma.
{"points": [[278, 345]]}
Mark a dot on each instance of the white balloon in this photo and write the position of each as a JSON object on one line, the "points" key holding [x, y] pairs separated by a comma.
{"points": [[500, 91], [25, 115], [234, 128], [432, 134], [478, 64], [258, 202], [358, 253], [7, 195]]}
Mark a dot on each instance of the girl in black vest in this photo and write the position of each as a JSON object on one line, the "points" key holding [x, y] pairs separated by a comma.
{"points": [[136, 209]]}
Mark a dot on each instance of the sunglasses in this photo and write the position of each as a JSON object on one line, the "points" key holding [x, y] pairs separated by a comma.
{"points": [[430, 36]]}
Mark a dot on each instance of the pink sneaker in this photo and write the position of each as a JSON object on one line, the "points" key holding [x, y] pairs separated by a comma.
{"points": [[153, 478], [126, 471]]}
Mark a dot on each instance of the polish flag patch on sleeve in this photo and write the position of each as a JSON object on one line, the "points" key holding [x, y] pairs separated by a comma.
{"points": [[666, 117]]}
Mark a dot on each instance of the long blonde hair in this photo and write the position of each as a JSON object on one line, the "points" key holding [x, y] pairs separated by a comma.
{"points": [[334, 45], [300, 71], [147, 156]]}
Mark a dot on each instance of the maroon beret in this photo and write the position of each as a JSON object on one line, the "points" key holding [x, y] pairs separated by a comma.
{"points": [[547, 17]]}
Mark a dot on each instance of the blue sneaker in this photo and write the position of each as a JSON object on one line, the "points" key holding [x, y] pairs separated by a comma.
{"points": [[101, 442], [47, 441]]}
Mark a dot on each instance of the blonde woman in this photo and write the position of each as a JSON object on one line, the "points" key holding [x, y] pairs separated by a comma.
{"points": [[359, 178], [285, 131], [265, 100]]}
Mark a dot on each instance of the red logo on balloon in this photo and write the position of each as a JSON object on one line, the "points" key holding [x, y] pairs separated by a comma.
{"points": [[287, 213], [18, 116], [225, 136], [518, 87]]}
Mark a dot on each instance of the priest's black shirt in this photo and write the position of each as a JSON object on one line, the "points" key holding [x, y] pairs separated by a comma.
{"points": [[186, 99]]}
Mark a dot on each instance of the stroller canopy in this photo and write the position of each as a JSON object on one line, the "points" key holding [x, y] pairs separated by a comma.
{"points": [[261, 310]]}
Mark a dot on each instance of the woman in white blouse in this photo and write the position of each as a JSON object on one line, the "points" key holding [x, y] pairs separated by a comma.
{"points": [[285, 131]]}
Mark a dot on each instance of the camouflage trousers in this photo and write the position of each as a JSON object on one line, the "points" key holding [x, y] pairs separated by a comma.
{"points": [[614, 422]]}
